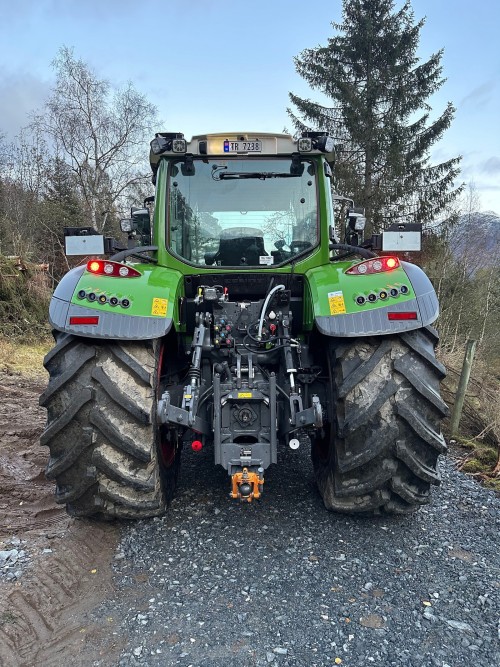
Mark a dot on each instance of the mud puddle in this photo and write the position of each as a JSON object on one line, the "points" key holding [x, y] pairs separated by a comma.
{"points": [[54, 570]]}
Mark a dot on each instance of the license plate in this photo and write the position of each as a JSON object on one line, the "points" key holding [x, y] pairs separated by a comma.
{"points": [[242, 146]]}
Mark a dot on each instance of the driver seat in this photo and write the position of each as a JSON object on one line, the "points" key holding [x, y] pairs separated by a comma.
{"points": [[240, 246]]}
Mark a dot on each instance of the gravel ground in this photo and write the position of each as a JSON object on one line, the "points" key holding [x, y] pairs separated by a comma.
{"points": [[13, 559], [284, 582]]}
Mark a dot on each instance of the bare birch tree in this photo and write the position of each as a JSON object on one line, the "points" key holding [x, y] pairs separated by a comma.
{"points": [[100, 131]]}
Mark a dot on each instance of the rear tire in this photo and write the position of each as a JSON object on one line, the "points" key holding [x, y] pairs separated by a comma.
{"points": [[101, 428], [380, 450]]}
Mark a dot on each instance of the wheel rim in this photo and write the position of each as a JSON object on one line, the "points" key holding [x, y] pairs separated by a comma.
{"points": [[167, 447], [323, 446]]}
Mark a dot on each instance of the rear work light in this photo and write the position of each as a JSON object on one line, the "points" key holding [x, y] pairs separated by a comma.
{"points": [[106, 267], [377, 265], [84, 320], [409, 315]]}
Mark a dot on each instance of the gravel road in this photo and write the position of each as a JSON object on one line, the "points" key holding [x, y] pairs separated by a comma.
{"points": [[283, 582]]}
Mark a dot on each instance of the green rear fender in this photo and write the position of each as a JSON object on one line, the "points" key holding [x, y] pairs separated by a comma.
{"points": [[334, 296], [141, 307]]}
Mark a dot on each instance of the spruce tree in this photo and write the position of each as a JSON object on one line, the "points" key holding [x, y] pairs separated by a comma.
{"points": [[380, 115], [63, 195]]}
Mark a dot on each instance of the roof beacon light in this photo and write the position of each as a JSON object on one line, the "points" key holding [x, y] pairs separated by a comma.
{"points": [[378, 265], [112, 269]]}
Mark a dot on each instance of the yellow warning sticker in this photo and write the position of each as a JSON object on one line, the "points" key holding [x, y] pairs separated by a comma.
{"points": [[159, 307], [336, 302], [244, 394]]}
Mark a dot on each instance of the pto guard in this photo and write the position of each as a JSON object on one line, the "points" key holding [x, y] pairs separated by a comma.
{"points": [[334, 291], [150, 314]]}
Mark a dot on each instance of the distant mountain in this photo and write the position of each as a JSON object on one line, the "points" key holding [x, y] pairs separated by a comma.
{"points": [[477, 236]]}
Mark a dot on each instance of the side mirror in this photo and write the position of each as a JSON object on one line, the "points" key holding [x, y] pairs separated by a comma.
{"points": [[141, 223], [139, 214]]}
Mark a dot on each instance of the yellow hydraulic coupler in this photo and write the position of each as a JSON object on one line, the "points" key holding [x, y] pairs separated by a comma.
{"points": [[246, 485]]}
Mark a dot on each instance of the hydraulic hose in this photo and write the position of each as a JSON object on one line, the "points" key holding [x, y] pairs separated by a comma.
{"points": [[264, 307], [363, 252]]}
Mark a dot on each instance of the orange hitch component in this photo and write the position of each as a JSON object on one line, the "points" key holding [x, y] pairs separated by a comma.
{"points": [[246, 485]]}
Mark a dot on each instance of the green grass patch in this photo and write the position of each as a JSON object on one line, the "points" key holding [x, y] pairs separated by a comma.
{"points": [[480, 461], [24, 358]]}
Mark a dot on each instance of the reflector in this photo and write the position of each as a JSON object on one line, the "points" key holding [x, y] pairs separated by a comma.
{"points": [[409, 315], [84, 320]]}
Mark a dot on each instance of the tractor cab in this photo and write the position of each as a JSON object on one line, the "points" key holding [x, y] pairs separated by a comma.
{"points": [[247, 202]]}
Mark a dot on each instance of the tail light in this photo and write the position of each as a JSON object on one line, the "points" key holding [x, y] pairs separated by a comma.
{"points": [[106, 267], [377, 265]]}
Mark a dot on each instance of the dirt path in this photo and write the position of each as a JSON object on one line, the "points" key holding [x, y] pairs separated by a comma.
{"points": [[53, 570]]}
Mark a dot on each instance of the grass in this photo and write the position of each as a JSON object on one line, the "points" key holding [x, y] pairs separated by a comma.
{"points": [[24, 358], [478, 440], [479, 462]]}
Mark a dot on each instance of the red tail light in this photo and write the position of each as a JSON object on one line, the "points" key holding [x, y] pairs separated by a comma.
{"points": [[196, 445], [105, 267], [376, 265], [409, 315], [84, 320]]}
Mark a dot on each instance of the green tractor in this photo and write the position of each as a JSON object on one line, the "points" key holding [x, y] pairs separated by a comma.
{"points": [[236, 321]]}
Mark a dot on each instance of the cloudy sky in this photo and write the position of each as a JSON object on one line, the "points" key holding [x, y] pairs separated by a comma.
{"points": [[212, 65]]}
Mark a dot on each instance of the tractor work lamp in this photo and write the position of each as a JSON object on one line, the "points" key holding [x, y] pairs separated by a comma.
{"points": [[357, 220], [179, 145], [304, 145], [127, 225], [325, 144], [159, 145]]}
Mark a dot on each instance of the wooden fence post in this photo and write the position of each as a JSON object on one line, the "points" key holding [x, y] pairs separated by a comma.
{"points": [[462, 386]]}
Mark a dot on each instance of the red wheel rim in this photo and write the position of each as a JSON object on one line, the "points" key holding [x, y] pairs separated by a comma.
{"points": [[167, 444]]}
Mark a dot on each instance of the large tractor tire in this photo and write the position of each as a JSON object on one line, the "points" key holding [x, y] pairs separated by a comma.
{"points": [[379, 453], [107, 455]]}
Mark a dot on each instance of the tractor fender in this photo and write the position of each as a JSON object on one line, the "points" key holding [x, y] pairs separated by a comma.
{"points": [[336, 313], [149, 314]]}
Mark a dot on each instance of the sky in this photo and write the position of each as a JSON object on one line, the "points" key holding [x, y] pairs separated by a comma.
{"points": [[217, 66]]}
